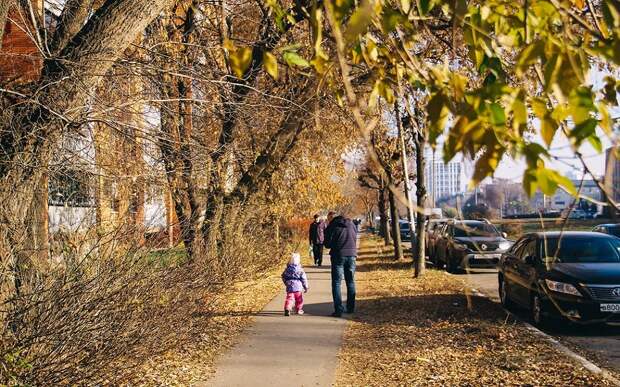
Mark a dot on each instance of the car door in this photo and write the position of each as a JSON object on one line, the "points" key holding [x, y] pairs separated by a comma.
{"points": [[509, 266], [525, 278]]}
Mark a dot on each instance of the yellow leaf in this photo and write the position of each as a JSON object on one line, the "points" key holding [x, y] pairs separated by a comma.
{"points": [[271, 64], [240, 60]]}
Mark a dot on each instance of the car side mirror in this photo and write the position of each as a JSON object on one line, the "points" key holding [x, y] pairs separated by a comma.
{"points": [[504, 235], [530, 260]]}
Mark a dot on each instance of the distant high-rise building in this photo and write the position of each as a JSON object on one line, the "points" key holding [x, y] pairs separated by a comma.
{"points": [[612, 174], [444, 179]]}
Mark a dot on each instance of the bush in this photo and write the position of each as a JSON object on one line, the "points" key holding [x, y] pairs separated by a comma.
{"points": [[94, 318]]}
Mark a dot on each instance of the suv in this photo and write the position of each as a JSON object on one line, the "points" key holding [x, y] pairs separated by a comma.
{"points": [[405, 230], [470, 243], [433, 232]]}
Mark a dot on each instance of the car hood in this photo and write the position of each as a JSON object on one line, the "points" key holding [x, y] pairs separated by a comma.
{"points": [[590, 273]]}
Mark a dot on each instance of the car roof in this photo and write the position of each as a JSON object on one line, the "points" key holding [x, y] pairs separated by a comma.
{"points": [[471, 221], [570, 234]]}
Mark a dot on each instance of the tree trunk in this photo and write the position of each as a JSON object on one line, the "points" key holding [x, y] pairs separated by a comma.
{"points": [[398, 248], [420, 261], [4, 12], [405, 166], [383, 218]]}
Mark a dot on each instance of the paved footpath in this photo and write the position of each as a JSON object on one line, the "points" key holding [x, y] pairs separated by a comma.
{"points": [[288, 351]]}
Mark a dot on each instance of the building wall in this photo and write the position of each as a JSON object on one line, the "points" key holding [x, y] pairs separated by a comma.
{"points": [[20, 59], [444, 179], [612, 174]]}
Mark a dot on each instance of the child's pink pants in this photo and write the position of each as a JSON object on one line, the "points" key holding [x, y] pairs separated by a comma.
{"points": [[296, 298]]}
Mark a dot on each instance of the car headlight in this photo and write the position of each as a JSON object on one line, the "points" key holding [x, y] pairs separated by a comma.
{"points": [[505, 245], [460, 246], [562, 287]]}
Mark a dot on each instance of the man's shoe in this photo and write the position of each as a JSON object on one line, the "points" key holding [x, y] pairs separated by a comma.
{"points": [[350, 311], [287, 312], [336, 314]]}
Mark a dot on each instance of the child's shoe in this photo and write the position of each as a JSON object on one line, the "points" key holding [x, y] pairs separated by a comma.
{"points": [[287, 312], [300, 312]]}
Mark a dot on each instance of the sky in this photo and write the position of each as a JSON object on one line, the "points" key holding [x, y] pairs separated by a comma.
{"points": [[569, 164]]}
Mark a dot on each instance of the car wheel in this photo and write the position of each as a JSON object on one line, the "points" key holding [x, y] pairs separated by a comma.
{"points": [[503, 294], [537, 311]]}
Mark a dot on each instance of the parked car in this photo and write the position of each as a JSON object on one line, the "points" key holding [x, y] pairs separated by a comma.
{"points": [[577, 214], [609, 228], [405, 230], [470, 244], [433, 231], [574, 275]]}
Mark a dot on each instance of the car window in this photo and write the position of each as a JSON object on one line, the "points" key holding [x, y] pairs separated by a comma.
{"points": [[528, 250], [615, 231], [475, 229], [583, 250]]}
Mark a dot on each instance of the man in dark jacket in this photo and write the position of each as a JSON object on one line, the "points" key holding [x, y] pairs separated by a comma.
{"points": [[317, 238], [341, 239]]}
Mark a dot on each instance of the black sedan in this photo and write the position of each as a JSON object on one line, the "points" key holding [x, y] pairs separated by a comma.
{"points": [[608, 228], [574, 275]]}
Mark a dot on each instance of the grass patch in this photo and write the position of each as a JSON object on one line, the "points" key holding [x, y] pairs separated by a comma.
{"points": [[430, 332]]}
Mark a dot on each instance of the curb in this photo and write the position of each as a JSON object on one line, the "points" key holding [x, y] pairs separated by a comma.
{"points": [[582, 361]]}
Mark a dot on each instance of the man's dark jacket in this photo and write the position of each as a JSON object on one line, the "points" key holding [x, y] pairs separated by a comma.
{"points": [[317, 233], [341, 238]]}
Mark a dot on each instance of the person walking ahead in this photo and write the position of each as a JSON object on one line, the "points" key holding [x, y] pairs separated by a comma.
{"points": [[316, 237], [296, 281], [341, 239]]}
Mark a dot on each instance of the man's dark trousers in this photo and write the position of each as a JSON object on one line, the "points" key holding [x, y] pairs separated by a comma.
{"points": [[343, 267], [317, 251]]}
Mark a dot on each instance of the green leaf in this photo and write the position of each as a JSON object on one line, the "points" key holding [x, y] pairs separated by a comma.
{"points": [[498, 116], [609, 91], [548, 127], [596, 143], [437, 111], [294, 59], [565, 183], [391, 18], [271, 64], [529, 56], [530, 184], [583, 130], [547, 181], [519, 111], [425, 6], [581, 104], [240, 60], [359, 21]]}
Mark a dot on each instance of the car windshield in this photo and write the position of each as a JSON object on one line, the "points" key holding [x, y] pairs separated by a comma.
{"points": [[615, 231], [583, 250], [404, 225], [475, 229]]}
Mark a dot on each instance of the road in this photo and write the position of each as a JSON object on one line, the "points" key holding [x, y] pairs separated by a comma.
{"points": [[602, 341]]}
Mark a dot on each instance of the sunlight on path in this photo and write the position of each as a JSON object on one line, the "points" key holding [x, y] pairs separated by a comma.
{"points": [[288, 351]]}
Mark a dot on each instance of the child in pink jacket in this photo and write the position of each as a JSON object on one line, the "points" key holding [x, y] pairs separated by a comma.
{"points": [[295, 280]]}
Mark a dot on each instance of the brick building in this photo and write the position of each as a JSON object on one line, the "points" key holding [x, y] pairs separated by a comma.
{"points": [[20, 58]]}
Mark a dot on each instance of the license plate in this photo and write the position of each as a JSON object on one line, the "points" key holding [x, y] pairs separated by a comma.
{"points": [[613, 308], [486, 256]]}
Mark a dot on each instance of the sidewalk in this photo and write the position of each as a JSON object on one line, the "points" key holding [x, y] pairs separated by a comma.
{"points": [[288, 351]]}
